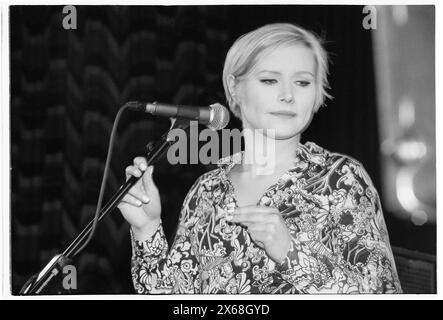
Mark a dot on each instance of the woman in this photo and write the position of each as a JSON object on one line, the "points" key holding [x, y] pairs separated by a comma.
{"points": [[314, 224]]}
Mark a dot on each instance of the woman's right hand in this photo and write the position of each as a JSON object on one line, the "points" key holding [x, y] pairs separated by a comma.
{"points": [[141, 206]]}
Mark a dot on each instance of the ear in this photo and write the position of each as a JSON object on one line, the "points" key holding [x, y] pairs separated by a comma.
{"points": [[231, 85], [233, 91]]}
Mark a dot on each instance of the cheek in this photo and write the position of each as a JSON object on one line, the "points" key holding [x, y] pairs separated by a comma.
{"points": [[308, 116], [307, 100], [309, 93], [307, 109], [252, 99]]}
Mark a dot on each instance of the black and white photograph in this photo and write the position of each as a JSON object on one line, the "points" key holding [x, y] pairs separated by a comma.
{"points": [[221, 149]]}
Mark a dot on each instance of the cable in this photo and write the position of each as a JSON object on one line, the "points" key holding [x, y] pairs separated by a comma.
{"points": [[105, 174]]}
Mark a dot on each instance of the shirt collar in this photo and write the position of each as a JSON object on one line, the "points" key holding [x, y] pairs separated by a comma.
{"points": [[307, 152]]}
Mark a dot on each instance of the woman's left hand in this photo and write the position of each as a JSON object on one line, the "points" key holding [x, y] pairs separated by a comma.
{"points": [[267, 228]]}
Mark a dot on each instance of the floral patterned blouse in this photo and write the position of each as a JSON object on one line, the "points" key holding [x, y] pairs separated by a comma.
{"points": [[339, 239]]}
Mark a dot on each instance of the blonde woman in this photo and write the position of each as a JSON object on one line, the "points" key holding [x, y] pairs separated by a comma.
{"points": [[313, 224]]}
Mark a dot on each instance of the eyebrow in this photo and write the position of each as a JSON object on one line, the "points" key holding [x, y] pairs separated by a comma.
{"points": [[277, 72]]}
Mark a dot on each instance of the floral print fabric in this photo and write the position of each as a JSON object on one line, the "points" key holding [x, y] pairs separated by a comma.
{"points": [[339, 240]]}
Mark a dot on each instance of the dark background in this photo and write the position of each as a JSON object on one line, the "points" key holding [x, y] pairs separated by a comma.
{"points": [[67, 86]]}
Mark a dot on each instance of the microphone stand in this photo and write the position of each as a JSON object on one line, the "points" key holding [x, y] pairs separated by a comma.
{"points": [[155, 152]]}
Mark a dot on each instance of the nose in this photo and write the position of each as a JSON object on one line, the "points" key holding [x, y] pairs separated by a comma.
{"points": [[286, 94]]}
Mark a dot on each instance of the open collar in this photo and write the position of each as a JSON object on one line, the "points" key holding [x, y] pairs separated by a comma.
{"points": [[308, 152]]}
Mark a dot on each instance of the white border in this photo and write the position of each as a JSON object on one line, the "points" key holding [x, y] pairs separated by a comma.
{"points": [[5, 162], [215, 2], [439, 138], [5, 154]]}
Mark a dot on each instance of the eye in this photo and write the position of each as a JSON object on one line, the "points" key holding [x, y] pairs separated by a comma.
{"points": [[268, 81], [302, 83]]}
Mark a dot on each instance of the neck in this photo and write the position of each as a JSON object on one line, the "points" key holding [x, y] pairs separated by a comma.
{"points": [[265, 155]]}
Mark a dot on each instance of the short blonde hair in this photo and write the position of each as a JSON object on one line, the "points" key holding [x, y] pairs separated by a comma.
{"points": [[250, 47]]}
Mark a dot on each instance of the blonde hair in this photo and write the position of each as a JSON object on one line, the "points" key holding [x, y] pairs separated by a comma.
{"points": [[250, 47]]}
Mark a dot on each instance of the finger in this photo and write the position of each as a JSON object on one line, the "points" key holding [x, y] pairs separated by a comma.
{"points": [[256, 218], [259, 237], [256, 214], [259, 243], [141, 163], [255, 209], [254, 228], [148, 181], [129, 199], [132, 171], [139, 195]]}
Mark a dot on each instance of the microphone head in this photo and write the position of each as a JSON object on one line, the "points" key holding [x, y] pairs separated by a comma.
{"points": [[219, 117]]}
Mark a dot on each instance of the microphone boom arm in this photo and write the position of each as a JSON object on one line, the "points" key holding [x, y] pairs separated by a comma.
{"points": [[37, 283]]}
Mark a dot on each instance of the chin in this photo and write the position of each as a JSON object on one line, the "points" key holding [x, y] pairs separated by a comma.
{"points": [[283, 129], [284, 133], [286, 130]]}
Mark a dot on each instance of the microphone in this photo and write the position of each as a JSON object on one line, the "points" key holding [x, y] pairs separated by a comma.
{"points": [[215, 117]]}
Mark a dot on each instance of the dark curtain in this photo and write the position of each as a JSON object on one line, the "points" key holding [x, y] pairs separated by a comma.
{"points": [[67, 86]]}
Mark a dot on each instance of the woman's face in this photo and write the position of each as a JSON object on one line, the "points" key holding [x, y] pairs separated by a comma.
{"points": [[280, 92]]}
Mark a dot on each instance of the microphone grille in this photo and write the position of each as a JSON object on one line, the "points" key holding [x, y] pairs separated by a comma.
{"points": [[219, 117]]}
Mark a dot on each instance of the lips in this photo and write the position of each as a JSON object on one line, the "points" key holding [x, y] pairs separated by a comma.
{"points": [[283, 113]]}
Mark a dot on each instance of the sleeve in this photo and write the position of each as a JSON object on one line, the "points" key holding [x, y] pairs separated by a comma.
{"points": [[157, 270], [351, 252]]}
